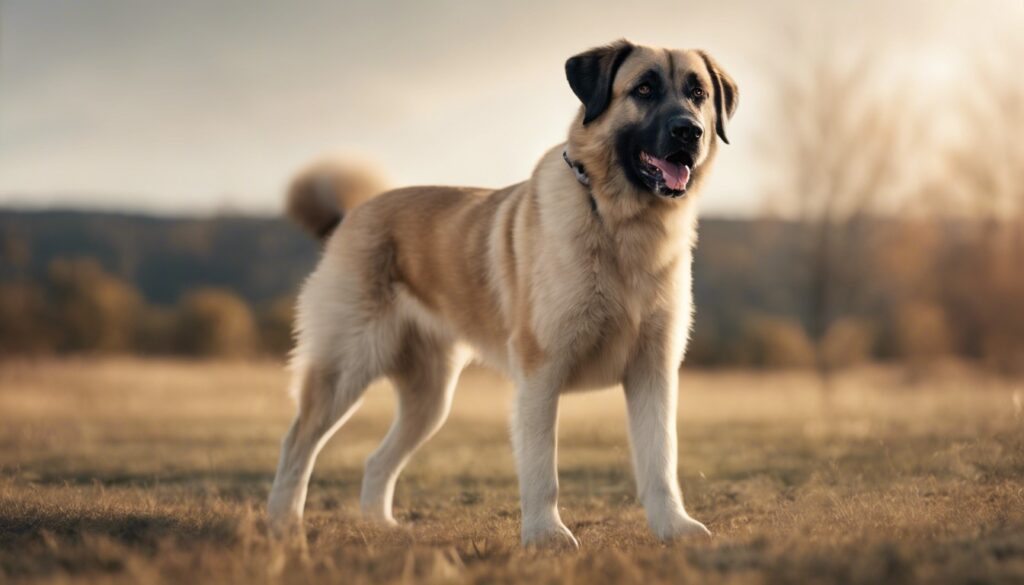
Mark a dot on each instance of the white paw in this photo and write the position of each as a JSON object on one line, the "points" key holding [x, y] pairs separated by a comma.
{"points": [[676, 526], [287, 532], [284, 514], [549, 534]]}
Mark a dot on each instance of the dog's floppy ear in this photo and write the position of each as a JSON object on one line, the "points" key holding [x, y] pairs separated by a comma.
{"points": [[590, 76], [726, 94]]}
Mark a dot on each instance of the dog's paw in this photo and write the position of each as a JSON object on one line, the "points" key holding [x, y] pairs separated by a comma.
{"points": [[677, 526], [550, 535], [286, 528], [287, 551], [288, 545]]}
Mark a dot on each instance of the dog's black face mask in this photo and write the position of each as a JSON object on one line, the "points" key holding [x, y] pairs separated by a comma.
{"points": [[678, 102], [661, 151]]}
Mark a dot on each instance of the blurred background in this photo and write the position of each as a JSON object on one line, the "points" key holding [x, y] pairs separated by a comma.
{"points": [[870, 208], [852, 401]]}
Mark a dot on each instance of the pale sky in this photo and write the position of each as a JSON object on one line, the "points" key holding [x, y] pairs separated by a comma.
{"points": [[195, 106]]}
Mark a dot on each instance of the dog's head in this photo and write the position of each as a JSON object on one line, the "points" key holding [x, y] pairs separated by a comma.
{"points": [[649, 116]]}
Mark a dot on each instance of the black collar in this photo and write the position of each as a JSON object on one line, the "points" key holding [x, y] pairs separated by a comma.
{"points": [[581, 176]]}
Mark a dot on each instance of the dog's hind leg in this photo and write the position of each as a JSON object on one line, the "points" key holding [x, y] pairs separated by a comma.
{"points": [[425, 383], [328, 397]]}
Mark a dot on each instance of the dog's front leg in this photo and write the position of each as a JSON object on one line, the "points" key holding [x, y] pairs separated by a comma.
{"points": [[535, 441], [652, 386]]}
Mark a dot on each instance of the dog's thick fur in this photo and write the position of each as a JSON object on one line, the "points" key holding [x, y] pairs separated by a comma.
{"points": [[561, 285]]}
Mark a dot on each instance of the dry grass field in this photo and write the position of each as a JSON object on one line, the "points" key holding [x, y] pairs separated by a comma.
{"points": [[127, 471]]}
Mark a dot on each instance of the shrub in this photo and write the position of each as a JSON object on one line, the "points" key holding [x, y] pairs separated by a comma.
{"points": [[1002, 343], [921, 332], [94, 310], [848, 341], [276, 326], [776, 342], [24, 320], [214, 322]]}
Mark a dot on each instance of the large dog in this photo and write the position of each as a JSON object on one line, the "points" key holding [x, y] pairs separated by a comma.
{"points": [[577, 278]]}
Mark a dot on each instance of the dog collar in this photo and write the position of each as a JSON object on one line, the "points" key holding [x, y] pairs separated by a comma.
{"points": [[581, 176]]}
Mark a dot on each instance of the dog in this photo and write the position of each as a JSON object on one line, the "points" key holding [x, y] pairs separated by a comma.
{"points": [[577, 278]]}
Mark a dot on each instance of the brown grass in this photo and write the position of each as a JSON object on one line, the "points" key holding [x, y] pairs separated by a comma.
{"points": [[126, 471]]}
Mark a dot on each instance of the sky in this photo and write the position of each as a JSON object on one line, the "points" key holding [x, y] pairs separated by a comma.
{"points": [[195, 106]]}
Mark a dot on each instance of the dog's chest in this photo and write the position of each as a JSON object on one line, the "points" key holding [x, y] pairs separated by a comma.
{"points": [[626, 305]]}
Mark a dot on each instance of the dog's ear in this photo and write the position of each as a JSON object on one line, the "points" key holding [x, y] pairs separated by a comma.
{"points": [[590, 76], [726, 94]]}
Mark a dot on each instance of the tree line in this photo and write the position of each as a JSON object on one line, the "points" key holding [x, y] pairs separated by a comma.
{"points": [[893, 230], [81, 308]]}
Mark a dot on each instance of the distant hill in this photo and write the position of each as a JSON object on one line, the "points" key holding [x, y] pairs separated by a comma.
{"points": [[896, 289], [263, 258], [260, 258], [742, 268]]}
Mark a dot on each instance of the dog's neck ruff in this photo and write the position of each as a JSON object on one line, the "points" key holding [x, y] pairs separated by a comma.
{"points": [[581, 176]]}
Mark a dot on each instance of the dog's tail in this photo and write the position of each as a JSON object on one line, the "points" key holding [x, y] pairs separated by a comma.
{"points": [[320, 195]]}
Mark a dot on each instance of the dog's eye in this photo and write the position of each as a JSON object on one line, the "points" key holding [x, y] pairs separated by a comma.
{"points": [[698, 94], [644, 90]]}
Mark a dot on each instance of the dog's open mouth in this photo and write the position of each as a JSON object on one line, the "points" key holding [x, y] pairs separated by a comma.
{"points": [[667, 176]]}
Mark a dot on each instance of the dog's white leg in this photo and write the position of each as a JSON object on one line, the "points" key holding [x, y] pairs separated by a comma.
{"points": [[535, 440], [652, 386], [325, 403], [425, 393]]}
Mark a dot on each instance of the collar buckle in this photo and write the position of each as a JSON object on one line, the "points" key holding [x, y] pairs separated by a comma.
{"points": [[577, 169], [581, 176]]}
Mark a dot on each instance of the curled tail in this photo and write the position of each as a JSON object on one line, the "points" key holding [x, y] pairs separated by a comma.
{"points": [[320, 195]]}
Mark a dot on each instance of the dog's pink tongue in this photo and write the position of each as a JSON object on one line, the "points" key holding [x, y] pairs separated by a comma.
{"points": [[676, 176]]}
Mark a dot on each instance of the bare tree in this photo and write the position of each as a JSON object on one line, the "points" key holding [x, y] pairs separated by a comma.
{"points": [[837, 150], [983, 268]]}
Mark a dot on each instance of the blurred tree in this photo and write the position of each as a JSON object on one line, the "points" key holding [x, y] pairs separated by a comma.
{"points": [[982, 275], [156, 331], [837, 155], [774, 342], [704, 347], [94, 310], [16, 253], [25, 322], [920, 332], [215, 322], [275, 321], [849, 341]]}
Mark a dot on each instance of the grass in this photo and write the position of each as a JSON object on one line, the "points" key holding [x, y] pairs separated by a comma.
{"points": [[127, 471]]}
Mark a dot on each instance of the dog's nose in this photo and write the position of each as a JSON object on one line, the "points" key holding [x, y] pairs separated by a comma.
{"points": [[686, 128]]}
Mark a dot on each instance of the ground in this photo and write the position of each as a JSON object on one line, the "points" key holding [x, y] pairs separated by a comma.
{"points": [[129, 471]]}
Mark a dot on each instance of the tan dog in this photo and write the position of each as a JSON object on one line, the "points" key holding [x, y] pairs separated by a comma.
{"points": [[577, 278]]}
